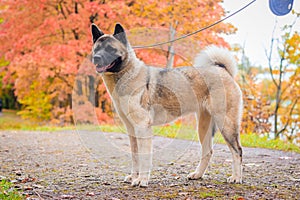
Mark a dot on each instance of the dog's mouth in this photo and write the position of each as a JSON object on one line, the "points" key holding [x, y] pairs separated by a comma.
{"points": [[116, 62]]}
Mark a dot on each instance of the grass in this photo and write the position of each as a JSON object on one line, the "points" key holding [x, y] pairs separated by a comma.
{"points": [[247, 140], [10, 121], [254, 140], [7, 192], [204, 195]]}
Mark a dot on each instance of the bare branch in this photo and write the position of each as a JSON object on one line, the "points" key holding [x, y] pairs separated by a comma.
{"points": [[289, 119], [285, 89], [270, 55]]}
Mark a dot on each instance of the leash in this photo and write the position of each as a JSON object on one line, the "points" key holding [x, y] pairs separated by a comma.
{"points": [[195, 32]]}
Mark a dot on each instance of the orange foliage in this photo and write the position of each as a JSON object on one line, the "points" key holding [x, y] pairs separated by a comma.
{"points": [[257, 110], [46, 42], [184, 16]]}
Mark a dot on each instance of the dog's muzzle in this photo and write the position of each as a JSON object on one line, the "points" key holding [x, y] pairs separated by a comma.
{"points": [[100, 68]]}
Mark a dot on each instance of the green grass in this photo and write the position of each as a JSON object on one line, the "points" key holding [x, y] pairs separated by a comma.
{"points": [[204, 195], [7, 192], [247, 140], [254, 140], [10, 121]]}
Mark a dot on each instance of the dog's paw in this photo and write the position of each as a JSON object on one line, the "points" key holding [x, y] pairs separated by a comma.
{"points": [[129, 178], [194, 176], [140, 181], [234, 179]]}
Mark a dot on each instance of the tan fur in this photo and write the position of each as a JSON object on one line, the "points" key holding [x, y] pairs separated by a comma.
{"points": [[145, 96]]}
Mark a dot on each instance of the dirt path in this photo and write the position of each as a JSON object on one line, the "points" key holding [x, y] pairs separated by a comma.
{"points": [[91, 165]]}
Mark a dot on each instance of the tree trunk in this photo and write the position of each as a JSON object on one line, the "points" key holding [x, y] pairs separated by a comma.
{"points": [[171, 51], [91, 92]]}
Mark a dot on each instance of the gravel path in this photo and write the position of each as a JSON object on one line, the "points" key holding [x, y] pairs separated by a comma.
{"points": [[92, 165]]}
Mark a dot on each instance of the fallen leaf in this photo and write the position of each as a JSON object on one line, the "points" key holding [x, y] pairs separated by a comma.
{"points": [[28, 179], [90, 194]]}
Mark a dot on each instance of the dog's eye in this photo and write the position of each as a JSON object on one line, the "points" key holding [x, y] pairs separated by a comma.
{"points": [[97, 48], [110, 49]]}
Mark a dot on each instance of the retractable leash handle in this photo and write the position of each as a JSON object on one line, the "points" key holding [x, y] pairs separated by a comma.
{"points": [[281, 7]]}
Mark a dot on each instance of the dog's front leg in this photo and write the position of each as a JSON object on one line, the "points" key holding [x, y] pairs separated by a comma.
{"points": [[144, 141], [135, 160], [134, 152]]}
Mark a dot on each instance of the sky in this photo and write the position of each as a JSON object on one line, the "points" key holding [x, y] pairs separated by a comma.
{"points": [[255, 25]]}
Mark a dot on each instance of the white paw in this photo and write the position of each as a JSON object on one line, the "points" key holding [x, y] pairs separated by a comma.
{"points": [[194, 175], [129, 178], [140, 181], [234, 179]]}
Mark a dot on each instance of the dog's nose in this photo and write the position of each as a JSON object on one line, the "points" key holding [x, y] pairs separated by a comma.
{"points": [[96, 59]]}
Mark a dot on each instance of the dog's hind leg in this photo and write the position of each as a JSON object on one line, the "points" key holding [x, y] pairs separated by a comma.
{"points": [[206, 130], [230, 132]]}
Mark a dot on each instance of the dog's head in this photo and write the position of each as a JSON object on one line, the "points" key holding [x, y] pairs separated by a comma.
{"points": [[109, 52]]}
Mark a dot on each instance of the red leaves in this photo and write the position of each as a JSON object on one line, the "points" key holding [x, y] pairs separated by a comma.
{"points": [[46, 42]]}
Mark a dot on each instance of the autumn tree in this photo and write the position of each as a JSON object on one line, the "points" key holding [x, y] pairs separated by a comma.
{"points": [[45, 43], [257, 104], [182, 17], [6, 90], [285, 81]]}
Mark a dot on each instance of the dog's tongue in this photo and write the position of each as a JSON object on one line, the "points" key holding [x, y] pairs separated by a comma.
{"points": [[102, 69]]}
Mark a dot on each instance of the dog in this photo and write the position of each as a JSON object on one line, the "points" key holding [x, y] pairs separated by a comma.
{"points": [[144, 96]]}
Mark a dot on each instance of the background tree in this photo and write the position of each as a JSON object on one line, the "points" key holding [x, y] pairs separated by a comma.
{"points": [[182, 17], [9, 100], [257, 104], [285, 80], [46, 41]]}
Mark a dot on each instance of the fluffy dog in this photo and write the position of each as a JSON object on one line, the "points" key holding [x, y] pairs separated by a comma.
{"points": [[144, 96]]}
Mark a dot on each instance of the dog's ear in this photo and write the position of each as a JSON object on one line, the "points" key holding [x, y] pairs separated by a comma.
{"points": [[96, 32], [120, 34]]}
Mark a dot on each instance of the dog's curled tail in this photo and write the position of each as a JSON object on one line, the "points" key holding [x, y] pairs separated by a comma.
{"points": [[216, 56]]}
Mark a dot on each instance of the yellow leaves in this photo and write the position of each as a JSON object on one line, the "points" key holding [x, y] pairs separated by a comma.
{"points": [[188, 15], [293, 49], [36, 104], [276, 72], [257, 108]]}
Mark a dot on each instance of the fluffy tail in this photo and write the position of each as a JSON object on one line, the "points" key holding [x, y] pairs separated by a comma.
{"points": [[216, 56]]}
